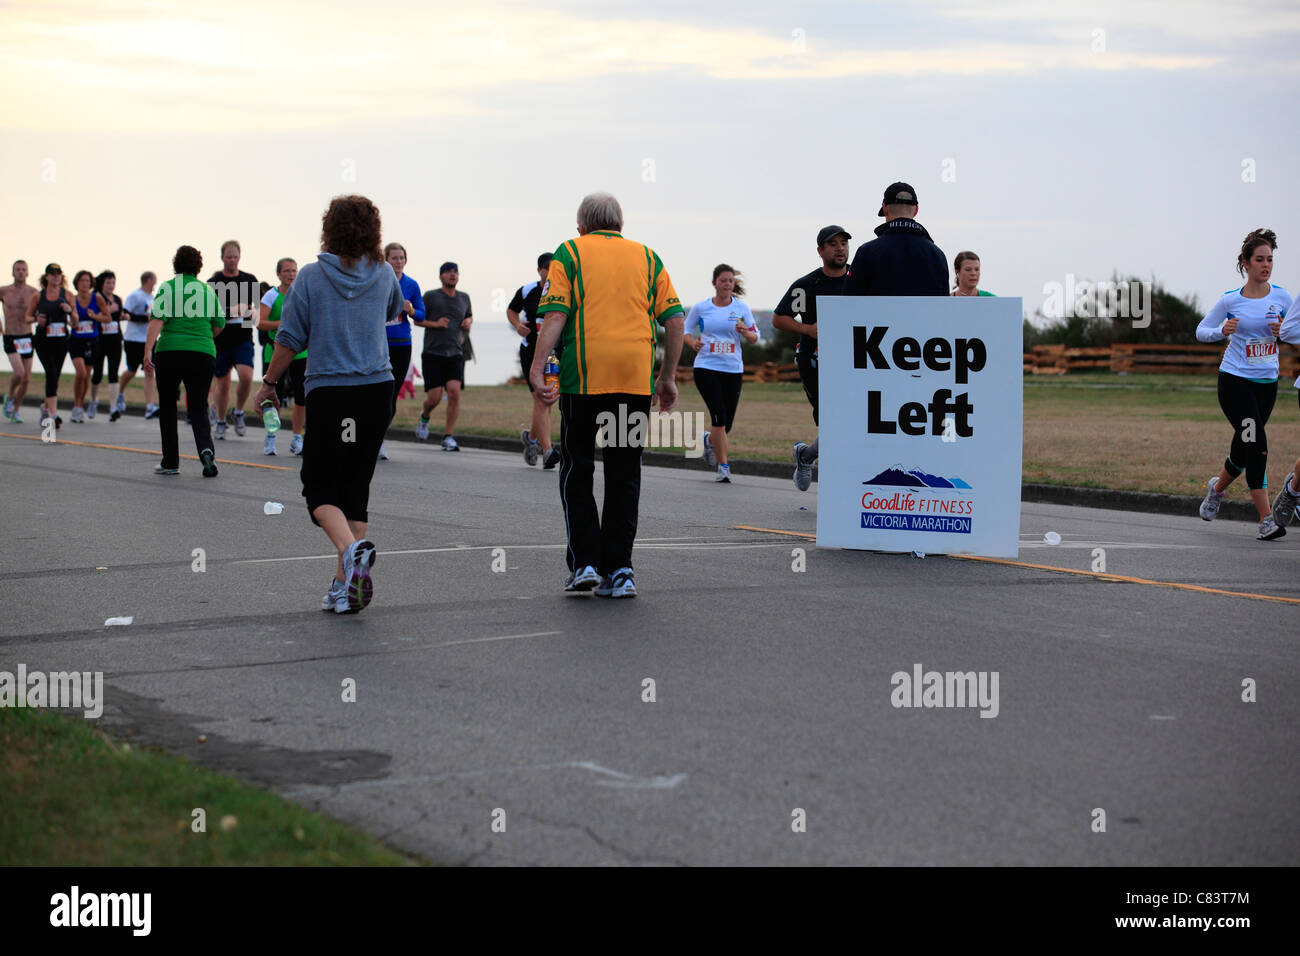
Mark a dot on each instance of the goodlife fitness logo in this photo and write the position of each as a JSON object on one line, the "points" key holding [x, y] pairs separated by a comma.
{"points": [[909, 499]]}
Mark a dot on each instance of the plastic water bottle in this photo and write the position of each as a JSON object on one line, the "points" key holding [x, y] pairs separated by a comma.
{"points": [[551, 373], [273, 508], [270, 417]]}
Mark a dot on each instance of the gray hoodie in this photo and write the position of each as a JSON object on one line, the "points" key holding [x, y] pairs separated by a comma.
{"points": [[338, 315]]}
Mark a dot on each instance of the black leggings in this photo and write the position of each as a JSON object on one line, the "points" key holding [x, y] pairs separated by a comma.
{"points": [[52, 353], [1247, 405], [347, 425], [400, 357], [106, 347], [194, 369], [721, 393]]}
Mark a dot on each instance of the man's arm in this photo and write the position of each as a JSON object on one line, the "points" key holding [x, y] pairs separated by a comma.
{"points": [[546, 339], [666, 386]]}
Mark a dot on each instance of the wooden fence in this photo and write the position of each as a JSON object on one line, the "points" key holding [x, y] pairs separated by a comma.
{"points": [[1197, 359]]}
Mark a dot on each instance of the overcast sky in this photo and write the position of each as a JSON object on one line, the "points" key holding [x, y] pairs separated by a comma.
{"points": [[1051, 138]]}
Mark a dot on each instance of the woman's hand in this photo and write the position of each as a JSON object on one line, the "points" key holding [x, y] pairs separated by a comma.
{"points": [[147, 361], [1275, 328], [1229, 326]]}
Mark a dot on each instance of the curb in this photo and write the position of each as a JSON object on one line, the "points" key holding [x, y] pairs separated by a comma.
{"points": [[1141, 501]]}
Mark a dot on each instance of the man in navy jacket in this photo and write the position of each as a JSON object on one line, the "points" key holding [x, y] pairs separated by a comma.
{"points": [[903, 259]]}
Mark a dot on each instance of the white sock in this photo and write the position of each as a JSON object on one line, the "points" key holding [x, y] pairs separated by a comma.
{"points": [[112, 394]]}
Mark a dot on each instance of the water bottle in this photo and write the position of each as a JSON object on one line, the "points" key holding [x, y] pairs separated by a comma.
{"points": [[551, 373], [270, 417], [273, 508]]}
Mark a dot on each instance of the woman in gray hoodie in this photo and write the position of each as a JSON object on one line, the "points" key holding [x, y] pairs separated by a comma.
{"points": [[337, 310]]}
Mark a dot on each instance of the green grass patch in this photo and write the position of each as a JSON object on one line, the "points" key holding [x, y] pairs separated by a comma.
{"points": [[73, 797]]}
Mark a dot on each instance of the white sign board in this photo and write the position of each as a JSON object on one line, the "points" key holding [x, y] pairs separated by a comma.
{"points": [[921, 424]]}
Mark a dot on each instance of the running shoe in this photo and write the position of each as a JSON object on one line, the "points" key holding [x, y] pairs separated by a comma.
{"points": [[723, 475], [617, 585], [115, 414], [15, 418], [802, 469], [583, 579], [78, 415], [220, 432], [91, 409], [1284, 503], [336, 598], [422, 429], [358, 559], [121, 402], [9, 406], [209, 463], [295, 445], [383, 451], [150, 411], [449, 444], [1213, 498], [240, 428], [531, 448], [268, 445], [160, 470], [710, 456], [1269, 529], [552, 458]]}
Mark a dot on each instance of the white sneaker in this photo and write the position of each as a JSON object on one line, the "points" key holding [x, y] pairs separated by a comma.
{"points": [[9, 405], [78, 414], [802, 469], [91, 409], [1213, 498], [583, 579], [710, 456], [532, 449], [150, 411], [121, 402], [221, 430], [295, 445], [449, 443], [617, 585], [422, 429], [723, 475], [268, 447], [383, 451], [336, 598], [1269, 529], [239, 424], [1284, 504]]}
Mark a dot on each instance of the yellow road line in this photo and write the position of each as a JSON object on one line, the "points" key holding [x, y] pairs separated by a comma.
{"points": [[1099, 575], [147, 451]]}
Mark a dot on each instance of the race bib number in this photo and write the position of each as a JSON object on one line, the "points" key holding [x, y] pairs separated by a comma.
{"points": [[716, 347], [56, 331], [24, 346], [396, 321], [1261, 351], [109, 328], [86, 327]]}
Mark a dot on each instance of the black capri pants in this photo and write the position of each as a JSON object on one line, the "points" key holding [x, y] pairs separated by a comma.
{"points": [[347, 425], [1248, 405], [721, 393], [52, 353], [400, 357], [106, 347]]}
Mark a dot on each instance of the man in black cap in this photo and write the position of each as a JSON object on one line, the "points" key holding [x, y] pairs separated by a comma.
{"points": [[903, 259], [797, 313], [447, 318]]}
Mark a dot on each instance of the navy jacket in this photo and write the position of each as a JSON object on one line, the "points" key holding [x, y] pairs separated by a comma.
{"points": [[903, 260]]}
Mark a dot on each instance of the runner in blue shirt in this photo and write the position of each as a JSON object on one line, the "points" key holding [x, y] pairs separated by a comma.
{"points": [[399, 329]]}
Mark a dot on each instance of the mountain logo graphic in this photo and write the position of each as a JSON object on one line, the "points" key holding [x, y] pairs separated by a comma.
{"points": [[896, 476]]}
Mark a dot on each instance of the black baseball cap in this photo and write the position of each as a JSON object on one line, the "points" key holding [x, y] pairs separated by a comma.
{"points": [[830, 232], [900, 193], [448, 267], [54, 269], [544, 260]]}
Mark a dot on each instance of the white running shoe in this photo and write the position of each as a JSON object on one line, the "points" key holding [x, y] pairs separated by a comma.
{"points": [[531, 448], [383, 451], [583, 579], [91, 409], [710, 456], [268, 446], [1284, 504], [422, 429], [723, 475], [1213, 498], [221, 430], [295, 445], [150, 411], [239, 424], [449, 443], [617, 585], [336, 598], [78, 414], [121, 402], [802, 469], [1269, 529]]}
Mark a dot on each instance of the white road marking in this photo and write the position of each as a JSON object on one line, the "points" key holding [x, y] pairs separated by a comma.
{"points": [[649, 544], [616, 778]]}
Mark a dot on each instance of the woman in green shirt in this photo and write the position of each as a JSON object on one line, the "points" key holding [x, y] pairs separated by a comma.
{"points": [[185, 317], [966, 275]]}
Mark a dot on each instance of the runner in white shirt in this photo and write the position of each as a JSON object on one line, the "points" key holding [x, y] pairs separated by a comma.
{"points": [[1250, 318], [135, 331], [716, 328]]}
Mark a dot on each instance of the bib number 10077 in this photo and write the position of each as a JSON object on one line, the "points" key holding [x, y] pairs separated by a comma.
{"points": [[1261, 351]]}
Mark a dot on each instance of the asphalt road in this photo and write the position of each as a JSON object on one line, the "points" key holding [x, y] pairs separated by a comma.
{"points": [[481, 691]]}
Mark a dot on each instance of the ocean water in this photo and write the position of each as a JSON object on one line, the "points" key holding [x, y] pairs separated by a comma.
{"points": [[496, 353]]}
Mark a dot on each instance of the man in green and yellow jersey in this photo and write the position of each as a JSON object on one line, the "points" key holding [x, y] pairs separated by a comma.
{"points": [[604, 299]]}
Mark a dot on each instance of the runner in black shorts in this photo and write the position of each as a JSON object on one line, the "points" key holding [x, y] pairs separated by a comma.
{"points": [[90, 312], [522, 314], [239, 293], [17, 339], [134, 333], [448, 315], [797, 313]]}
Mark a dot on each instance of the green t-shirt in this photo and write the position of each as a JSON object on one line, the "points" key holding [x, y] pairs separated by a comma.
{"points": [[276, 308], [190, 312], [982, 292]]}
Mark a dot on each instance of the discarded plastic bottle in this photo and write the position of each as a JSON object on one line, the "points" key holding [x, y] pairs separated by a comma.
{"points": [[273, 508], [551, 374], [270, 417]]}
